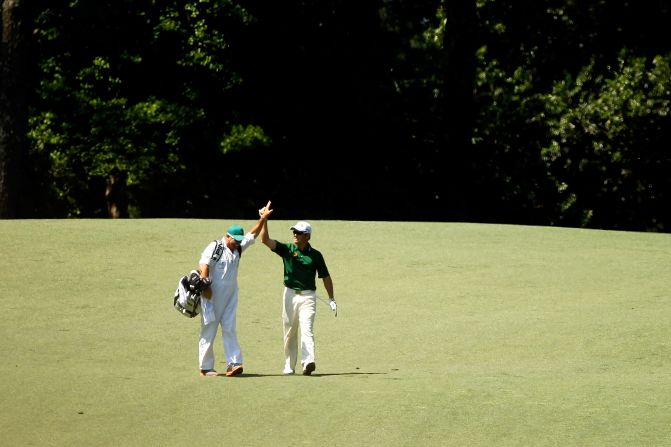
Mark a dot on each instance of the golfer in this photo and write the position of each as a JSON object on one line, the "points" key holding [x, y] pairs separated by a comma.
{"points": [[222, 295], [301, 263]]}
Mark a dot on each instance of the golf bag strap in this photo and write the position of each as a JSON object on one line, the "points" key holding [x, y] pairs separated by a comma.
{"points": [[219, 249]]}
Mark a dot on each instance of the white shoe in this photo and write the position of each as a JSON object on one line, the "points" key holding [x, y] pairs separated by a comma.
{"points": [[288, 371]]}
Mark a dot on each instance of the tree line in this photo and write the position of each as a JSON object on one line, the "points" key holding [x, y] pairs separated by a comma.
{"points": [[552, 112]]}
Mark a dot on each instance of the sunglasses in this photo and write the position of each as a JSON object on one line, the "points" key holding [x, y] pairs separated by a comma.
{"points": [[298, 233]]}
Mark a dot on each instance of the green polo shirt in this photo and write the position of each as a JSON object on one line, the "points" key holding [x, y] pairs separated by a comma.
{"points": [[300, 266]]}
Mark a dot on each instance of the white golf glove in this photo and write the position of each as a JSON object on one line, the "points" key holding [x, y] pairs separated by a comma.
{"points": [[334, 306]]}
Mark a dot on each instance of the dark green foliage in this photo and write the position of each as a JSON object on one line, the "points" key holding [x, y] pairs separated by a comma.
{"points": [[573, 104], [140, 91], [608, 154], [550, 112]]}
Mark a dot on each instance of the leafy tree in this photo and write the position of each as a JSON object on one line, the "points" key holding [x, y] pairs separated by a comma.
{"points": [[545, 112], [608, 155], [132, 93], [543, 70]]}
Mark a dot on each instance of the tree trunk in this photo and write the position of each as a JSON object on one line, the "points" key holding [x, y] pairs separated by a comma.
{"points": [[116, 195], [459, 79], [13, 108]]}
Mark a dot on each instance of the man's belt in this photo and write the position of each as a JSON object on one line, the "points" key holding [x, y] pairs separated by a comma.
{"points": [[303, 292]]}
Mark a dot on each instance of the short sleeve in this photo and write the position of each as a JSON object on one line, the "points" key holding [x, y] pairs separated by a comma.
{"points": [[248, 241], [206, 255], [281, 249], [322, 270]]}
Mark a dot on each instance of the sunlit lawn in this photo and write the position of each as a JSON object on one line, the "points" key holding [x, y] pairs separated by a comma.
{"points": [[447, 334]]}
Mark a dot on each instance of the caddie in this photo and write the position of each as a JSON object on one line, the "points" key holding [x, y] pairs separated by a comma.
{"points": [[219, 262]]}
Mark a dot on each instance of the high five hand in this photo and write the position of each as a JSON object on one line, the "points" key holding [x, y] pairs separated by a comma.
{"points": [[265, 211]]}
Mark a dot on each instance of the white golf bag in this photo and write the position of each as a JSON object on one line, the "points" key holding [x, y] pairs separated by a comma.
{"points": [[187, 297]]}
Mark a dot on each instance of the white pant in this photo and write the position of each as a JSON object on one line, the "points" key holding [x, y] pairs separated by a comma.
{"points": [[225, 309], [299, 312]]}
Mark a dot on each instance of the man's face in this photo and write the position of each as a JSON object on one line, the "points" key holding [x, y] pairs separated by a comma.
{"points": [[231, 243], [301, 238]]}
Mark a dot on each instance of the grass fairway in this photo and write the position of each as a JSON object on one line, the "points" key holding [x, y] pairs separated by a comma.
{"points": [[447, 335]]}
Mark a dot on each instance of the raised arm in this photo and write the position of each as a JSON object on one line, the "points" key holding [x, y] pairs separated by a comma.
{"points": [[263, 216], [265, 238]]}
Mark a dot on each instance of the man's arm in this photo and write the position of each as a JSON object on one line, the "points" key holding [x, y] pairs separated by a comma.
{"points": [[263, 216], [265, 238], [204, 271], [328, 285]]}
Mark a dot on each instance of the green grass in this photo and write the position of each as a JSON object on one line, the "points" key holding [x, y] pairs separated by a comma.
{"points": [[447, 334]]}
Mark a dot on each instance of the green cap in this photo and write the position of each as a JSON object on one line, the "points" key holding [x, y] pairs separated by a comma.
{"points": [[236, 232]]}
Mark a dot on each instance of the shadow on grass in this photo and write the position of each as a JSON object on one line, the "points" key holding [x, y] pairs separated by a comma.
{"points": [[246, 375], [350, 374]]}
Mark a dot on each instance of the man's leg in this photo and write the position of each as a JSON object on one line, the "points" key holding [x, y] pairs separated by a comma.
{"points": [[307, 313], [229, 332], [205, 349], [290, 324]]}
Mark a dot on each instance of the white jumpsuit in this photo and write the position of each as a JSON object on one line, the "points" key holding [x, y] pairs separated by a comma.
{"points": [[224, 276]]}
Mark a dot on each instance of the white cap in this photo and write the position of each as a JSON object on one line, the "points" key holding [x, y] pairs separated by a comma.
{"points": [[303, 227]]}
